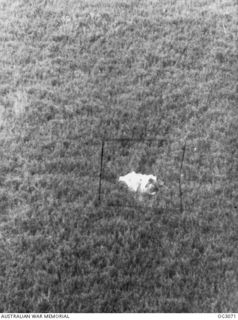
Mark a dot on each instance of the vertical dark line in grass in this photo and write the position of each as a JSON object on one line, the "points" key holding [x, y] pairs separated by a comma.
{"points": [[180, 178], [100, 176]]}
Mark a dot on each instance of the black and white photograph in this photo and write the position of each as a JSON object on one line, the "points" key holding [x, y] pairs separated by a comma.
{"points": [[118, 157]]}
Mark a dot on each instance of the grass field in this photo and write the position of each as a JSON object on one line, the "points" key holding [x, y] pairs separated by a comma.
{"points": [[76, 72]]}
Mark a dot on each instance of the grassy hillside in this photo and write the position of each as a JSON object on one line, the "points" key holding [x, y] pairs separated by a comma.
{"points": [[76, 72]]}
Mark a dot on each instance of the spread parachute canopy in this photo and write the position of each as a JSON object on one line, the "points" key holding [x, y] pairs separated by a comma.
{"points": [[141, 183]]}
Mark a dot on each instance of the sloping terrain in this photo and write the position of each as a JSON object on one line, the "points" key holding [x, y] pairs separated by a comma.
{"points": [[76, 72]]}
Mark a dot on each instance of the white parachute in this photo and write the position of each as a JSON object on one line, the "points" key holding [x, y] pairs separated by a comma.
{"points": [[143, 184]]}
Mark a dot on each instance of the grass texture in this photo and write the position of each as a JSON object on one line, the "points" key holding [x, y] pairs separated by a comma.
{"points": [[76, 72]]}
